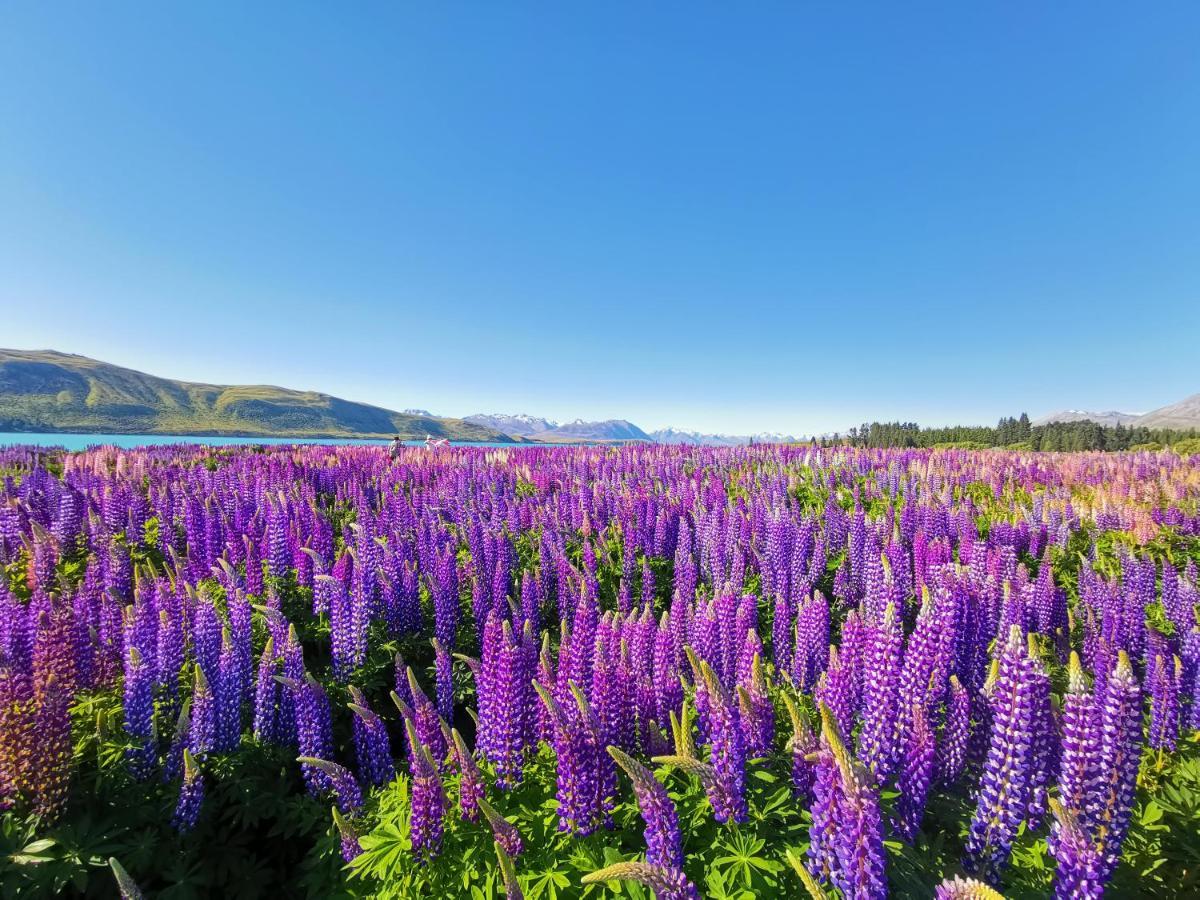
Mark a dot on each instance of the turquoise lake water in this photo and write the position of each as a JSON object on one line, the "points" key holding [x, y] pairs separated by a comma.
{"points": [[83, 441]]}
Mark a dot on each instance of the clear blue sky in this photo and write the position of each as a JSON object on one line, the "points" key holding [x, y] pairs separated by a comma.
{"points": [[683, 214]]}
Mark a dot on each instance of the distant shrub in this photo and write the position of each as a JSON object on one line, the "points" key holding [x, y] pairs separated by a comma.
{"points": [[961, 445], [1188, 447]]}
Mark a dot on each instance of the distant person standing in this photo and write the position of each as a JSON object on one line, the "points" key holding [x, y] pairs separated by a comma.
{"points": [[395, 447]]}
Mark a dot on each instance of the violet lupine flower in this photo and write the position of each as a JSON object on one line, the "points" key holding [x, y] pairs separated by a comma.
{"points": [[1164, 679], [348, 836], [877, 745], [956, 731], [1008, 781], [173, 762], [202, 735], [504, 831], [846, 837], [228, 697], [426, 719], [313, 730], [1118, 761], [191, 795], [372, 749], [444, 681], [916, 774], [667, 884], [139, 714], [802, 744], [506, 703], [429, 803], [341, 782], [471, 787], [664, 846], [1080, 746], [727, 750], [1080, 874], [512, 888], [577, 746], [266, 695], [757, 712]]}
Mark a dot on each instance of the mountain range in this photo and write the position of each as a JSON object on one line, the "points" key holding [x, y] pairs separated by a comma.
{"points": [[696, 438], [44, 390], [1180, 416]]}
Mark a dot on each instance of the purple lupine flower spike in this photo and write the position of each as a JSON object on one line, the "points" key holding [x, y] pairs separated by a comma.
{"points": [[512, 888], [471, 786], [372, 748], [504, 831], [348, 835], [429, 804], [191, 795], [846, 838], [1010, 772], [663, 844], [1118, 761], [802, 744], [139, 714], [341, 782], [667, 884], [916, 774]]}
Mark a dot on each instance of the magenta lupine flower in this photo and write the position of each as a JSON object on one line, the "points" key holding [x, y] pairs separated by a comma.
{"points": [[916, 774], [429, 803], [139, 715], [1009, 776], [191, 795], [372, 748], [664, 846]]}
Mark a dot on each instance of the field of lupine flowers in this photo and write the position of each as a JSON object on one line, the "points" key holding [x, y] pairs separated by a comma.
{"points": [[567, 672]]}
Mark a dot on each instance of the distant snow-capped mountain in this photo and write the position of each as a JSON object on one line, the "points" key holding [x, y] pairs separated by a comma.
{"points": [[418, 412], [609, 430], [518, 425], [696, 438], [1109, 417]]}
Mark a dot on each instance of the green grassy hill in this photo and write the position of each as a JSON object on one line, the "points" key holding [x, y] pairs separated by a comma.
{"points": [[44, 390]]}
